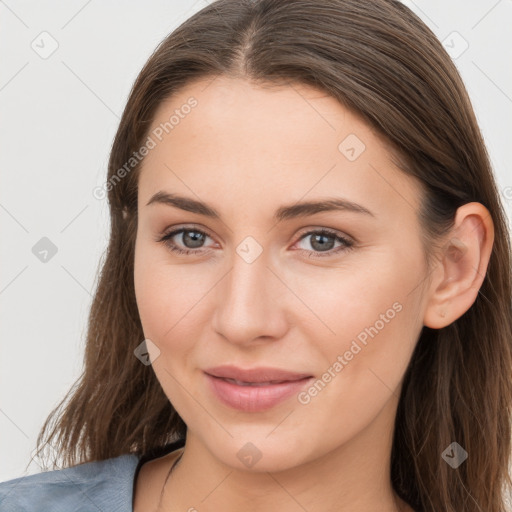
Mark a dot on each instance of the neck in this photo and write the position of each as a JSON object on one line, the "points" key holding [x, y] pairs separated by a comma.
{"points": [[353, 476]]}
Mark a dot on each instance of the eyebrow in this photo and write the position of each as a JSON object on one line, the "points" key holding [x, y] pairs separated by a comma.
{"points": [[302, 209]]}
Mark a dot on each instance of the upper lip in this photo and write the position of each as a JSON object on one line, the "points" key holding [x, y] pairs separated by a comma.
{"points": [[259, 374]]}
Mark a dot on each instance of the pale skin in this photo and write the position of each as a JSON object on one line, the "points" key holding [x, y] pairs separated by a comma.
{"points": [[247, 151]]}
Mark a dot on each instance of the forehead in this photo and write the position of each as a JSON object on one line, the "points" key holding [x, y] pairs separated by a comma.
{"points": [[222, 136]]}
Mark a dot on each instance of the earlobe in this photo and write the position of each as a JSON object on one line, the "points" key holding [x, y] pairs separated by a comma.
{"points": [[460, 267]]}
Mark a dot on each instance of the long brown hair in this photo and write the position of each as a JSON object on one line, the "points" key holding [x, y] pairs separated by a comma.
{"points": [[382, 62]]}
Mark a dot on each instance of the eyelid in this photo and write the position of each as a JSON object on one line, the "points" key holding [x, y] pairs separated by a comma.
{"points": [[185, 227], [169, 233], [302, 232], [315, 229], [347, 243], [348, 240]]}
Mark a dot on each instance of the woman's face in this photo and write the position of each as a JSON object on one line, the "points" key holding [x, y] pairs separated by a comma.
{"points": [[341, 310]]}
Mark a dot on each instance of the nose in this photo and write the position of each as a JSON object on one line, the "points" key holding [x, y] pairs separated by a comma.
{"points": [[251, 303]]}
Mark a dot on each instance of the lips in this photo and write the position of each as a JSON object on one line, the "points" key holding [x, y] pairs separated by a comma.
{"points": [[255, 389], [260, 375], [243, 383]]}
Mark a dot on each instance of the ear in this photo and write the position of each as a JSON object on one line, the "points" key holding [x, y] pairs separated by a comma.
{"points": [[461, 266]]}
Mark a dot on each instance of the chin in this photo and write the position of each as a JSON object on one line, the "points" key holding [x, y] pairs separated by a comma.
{"points": [[256, 452]]}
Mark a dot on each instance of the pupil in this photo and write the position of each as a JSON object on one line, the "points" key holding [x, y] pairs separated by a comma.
{"points": [[196, 240], [323, 246], [318, 242]]}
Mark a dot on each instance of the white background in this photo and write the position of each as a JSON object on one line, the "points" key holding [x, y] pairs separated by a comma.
{"points": [[58, 119]]}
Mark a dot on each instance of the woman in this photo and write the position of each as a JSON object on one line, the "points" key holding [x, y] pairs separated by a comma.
{"points": [[305, 303]]}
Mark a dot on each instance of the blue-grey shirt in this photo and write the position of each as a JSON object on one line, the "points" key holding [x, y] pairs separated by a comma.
{"points": [[101, 486]]}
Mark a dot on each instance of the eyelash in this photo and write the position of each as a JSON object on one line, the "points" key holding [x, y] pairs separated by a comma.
{"points": [[347, 244]]}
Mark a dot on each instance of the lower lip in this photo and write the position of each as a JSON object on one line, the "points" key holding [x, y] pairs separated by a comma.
{"points": [[254, 398]]}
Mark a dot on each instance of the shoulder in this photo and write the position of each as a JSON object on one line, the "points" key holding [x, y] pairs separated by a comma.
{"points": [[100, 485]]}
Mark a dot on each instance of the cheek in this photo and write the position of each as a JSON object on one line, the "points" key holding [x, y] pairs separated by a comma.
{"points": [[363, 368], [155, 294], [371, 322], [147, 294], [168, 301], [169, 298]]}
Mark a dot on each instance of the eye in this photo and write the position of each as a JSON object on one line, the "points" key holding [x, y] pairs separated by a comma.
{"points": [[191, 238], [323, 240]]}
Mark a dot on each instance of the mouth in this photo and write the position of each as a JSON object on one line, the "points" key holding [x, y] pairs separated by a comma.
{"points": [[256, 389], [242, 383], [258, 375]]}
